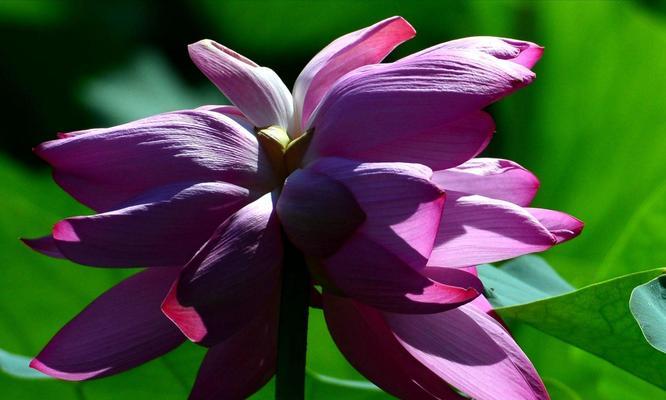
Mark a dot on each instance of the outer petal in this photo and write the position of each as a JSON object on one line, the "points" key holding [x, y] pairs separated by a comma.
{"points": [[366, 46], [365, 339], [471, 351], [563, 226], [413, 97], [257, 91], [518, 51], [166, 227], [242, 364], [123, 328], [477, 229], [100, 168], [45, 245], [231, 278], [378, 260], [490, 177]]}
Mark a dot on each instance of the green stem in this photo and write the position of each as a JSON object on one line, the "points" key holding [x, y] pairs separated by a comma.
{"points": [[293, 328]]}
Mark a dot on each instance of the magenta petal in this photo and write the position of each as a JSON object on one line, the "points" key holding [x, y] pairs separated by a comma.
{"points": [[242, 364], [477, 229], [121, 329], [45, 245], [563, 226], [165, 227], [99, 168], [415, 96], [366, 46], [318, 213], [231, 277], [471, 351], [257, 91], [518, 51], [365, 339], [490, 177], [370, 273]]}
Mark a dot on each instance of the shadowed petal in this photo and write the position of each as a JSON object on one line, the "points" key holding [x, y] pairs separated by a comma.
{"points": [[490, 177], [563, 226], [257, 91], [413, 97], [365, 339], [45, 245], [471, 351], [477, 229], [121, 329], [366, 46], [241, 364], [104, 168], [518, 51], [231, 277], [165, 227]]}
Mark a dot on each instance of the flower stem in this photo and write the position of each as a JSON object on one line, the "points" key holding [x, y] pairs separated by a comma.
{"points": [[293, 328]]}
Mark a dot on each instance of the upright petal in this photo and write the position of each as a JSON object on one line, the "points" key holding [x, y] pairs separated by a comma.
{"points": [[518, 51], [120, 330], [366, 46], [490, 177], [231, 278], [257, 91], [164, 227], [414, 96], [100, 168], [362, 335], [471, 351], [477, 229], [241, 364]]}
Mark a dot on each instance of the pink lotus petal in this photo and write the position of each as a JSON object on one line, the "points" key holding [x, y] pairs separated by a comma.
{"points": [[362, 335], [121, 329], [563, 226], [231, 112], [99, 168], [490, 177], [518, 51], [165, 227], [231, 277], [257, 91], [413, 96], [366, 46], [471, 351], [477, 229], [242, 364], [45, 245], [318, 213]]}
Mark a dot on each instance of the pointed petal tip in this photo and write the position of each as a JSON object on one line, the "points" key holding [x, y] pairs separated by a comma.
{"points": [[38, 365], [64, 231], [185, 318], [44, 245]]}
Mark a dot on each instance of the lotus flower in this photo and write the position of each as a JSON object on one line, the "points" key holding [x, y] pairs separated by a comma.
{"points": [[367, 168]]}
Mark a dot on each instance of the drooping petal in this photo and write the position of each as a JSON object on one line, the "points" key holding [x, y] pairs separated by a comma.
{"points": [[490, 177], [365, 339], [366, 46], [414, 96], [231, 277], [107, 167], [477, 229], [45, 245], [242, 364], [471, 351], [257, 91], [562, 225], [121, 329], [518, 51], [164, 227], [378, 259]]}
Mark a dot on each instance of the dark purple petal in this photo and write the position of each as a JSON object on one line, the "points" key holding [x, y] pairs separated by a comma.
{"points": [[104, 168], [165, 227], [121, 329], [45, 245]]}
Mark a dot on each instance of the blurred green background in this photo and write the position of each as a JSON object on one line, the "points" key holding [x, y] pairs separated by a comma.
{"points": [[592, 127]]}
